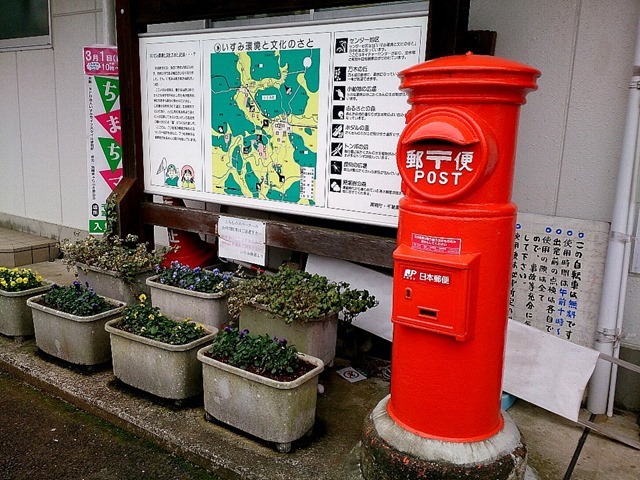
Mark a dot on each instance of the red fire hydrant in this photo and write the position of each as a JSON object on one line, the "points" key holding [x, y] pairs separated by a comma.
{"points": [[452, 265]]}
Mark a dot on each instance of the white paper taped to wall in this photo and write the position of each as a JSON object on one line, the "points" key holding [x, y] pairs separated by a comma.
{"points": [[545, 370]]}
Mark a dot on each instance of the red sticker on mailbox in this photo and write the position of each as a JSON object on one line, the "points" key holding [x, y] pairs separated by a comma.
{"points": [[428, 243]]}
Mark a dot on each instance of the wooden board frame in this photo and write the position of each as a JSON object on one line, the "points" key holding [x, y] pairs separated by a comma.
{"points": [[447, 34]]}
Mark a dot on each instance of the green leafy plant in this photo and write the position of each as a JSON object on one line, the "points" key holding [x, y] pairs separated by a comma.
{"points": [[296, 295], [19, 279], [194, 279], [76, 299], [147, 321], [256, 353], [126, 256]]}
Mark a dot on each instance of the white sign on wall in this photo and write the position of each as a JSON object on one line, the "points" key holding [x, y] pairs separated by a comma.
{"points": [[242, 239], [301, 119], [556, 277]]}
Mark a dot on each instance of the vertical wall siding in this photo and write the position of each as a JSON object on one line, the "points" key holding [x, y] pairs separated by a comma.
{"points": [[11, 176], [76, 30], [38, 134], [42, 139]]}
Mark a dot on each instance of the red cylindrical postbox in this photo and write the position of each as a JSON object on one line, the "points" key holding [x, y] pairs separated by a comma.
{"points": [[455, 244]]}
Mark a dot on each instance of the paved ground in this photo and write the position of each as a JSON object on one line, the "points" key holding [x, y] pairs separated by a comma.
{"points": [[47, 438], [327, 455]]}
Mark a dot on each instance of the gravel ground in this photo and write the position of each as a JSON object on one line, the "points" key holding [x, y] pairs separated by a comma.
{"points": [[46, 438]]}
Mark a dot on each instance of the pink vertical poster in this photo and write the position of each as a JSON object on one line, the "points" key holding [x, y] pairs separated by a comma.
{"points": [[104, 134]]}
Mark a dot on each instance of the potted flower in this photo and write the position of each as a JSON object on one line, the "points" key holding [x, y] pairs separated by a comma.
{"points": [[116, 267], [200, 294], [69, 323], [16, 286], [157, 354], [260, 385], [299, 306]]}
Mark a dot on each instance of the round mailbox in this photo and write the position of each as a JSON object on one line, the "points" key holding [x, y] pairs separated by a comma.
{"points": [[443, 153]]}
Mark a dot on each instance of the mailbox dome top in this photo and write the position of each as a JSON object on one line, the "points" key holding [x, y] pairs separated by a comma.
{"points": [[470, 75]]}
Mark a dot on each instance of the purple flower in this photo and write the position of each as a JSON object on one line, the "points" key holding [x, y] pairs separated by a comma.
{"points": [[244, 332]]}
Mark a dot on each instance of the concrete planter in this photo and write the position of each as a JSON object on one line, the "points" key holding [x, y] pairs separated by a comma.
{"points": [[16, 319], [74, 339], [316, 337], [279, 412], [111, 284], [167, 371], [207, 308]]}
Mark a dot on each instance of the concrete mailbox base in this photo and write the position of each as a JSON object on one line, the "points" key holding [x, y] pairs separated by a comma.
{"points": [[390, 452]]}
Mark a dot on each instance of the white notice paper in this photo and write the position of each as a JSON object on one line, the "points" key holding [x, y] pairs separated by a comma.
{"points": [[545, 370], [242, 239]]}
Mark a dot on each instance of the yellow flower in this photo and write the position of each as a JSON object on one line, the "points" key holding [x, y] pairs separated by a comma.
{"points": [[142, 298], [13, 284], [39, 278], [151, 317]]}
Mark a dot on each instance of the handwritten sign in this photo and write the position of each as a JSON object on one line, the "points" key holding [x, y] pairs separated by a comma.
{"points": [[556, 278], [242, 239]]}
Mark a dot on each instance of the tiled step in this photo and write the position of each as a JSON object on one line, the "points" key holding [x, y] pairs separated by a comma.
{"points": [[17, 248]]}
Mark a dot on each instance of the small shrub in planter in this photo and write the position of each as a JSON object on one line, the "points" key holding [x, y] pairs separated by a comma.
{"points": [[260, 354], [19, 279], [116, 267], [69, 323], [299, 306], [76, 299], [300, 296], [200, 294], [260, 385], [16, 286], [147, 321], [157, 354], [194, 279]]}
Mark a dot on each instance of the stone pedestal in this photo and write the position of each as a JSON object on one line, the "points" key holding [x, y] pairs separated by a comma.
{"points": [[390, 452]]}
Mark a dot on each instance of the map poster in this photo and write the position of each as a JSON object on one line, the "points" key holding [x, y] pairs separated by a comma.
{"points": [[267, 98], [300, 119], [175, 128]]}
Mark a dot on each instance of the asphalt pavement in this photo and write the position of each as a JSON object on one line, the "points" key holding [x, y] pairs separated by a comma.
{"points": [[42, 437]]}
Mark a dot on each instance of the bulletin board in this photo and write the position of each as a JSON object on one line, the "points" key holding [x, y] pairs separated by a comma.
{"points": [[556, 279], [297, 119]]}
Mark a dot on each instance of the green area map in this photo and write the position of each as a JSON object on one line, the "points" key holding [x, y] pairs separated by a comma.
{"points": [[264, 124]]}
